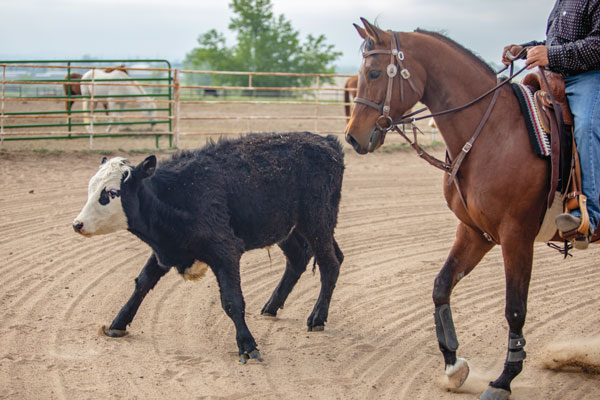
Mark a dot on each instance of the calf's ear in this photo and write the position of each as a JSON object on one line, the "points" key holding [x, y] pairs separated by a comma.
{"points": [[148, 166], [104, 159]]}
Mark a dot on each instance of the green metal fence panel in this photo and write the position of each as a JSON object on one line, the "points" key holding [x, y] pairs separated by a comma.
{"points": [[162, 90]]}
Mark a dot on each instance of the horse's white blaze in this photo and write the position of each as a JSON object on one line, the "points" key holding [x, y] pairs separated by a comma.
{"points": [[98, 219]]}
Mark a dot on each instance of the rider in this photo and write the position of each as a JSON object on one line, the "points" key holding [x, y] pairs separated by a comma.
{"points": [[572, 48]]}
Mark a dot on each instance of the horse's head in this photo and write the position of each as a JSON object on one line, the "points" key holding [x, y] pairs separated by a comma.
{"points": [[390, 82]]}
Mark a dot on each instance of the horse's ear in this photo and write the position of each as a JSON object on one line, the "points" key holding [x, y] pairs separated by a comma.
{"points": [[361, 31], [372, 31]]}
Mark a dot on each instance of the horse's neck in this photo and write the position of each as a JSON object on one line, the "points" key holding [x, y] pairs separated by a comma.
{"points": [[454, 83]]}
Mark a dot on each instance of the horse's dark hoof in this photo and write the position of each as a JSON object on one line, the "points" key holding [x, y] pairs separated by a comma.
{"points": [[114, 333], [492, 393], [317, 328], [253, 355]]}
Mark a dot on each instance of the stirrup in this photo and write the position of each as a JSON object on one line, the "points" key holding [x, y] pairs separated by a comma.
{"points": [[571, 227]]}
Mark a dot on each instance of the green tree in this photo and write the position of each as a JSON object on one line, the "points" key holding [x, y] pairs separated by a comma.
{"points": [[265, 43]]}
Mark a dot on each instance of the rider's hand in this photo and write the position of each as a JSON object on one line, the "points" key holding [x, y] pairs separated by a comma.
{"points": [[537, 57], [510, 52]]}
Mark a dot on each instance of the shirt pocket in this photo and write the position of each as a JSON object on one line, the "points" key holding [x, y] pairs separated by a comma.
{"points": [[572, 24]]}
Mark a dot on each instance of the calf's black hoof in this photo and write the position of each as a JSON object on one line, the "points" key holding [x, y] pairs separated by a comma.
{"points": [[253, 355], [113, 333], [317, 328], [268, 314]]}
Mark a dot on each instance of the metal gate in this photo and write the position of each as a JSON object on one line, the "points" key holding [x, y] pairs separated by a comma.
{"points": [[41, 82]]}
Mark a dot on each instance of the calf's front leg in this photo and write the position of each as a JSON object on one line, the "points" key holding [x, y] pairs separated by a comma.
{"points": [[232, 300], [146, 280]]}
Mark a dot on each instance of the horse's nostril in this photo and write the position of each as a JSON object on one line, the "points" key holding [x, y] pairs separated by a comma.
{"points": [[351, 140], [77, 226]]}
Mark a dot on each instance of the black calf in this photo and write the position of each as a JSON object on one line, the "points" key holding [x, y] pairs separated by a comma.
{"points": [[213, 204]]}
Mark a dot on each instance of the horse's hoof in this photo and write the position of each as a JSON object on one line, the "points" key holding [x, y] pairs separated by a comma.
{"points": [[318, 328], [492, 393], [457, 374], [114, 333], [253, 355]]}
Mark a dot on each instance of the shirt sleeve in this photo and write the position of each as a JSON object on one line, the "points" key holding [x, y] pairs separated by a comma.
{"points": [[580, 55]]}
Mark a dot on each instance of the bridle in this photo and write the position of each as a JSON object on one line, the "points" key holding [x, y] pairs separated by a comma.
{"points": [[396, 65], [449, 166]]}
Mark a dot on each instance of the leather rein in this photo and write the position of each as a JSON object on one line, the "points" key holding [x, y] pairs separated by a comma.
{"points": [[450, 166]]}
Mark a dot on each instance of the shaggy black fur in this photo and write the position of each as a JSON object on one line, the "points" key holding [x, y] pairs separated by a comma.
{"points": [[215, 203]]}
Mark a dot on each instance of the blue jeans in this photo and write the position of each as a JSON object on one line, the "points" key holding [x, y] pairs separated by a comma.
{"points": [[583, 94]]}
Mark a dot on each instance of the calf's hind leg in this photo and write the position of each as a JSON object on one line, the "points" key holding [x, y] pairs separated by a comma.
{"points": [[298, 254], [468, 249], [329, 257], [146, 280]]}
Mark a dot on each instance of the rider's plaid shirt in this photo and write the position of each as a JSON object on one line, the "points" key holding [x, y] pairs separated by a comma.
{"points": [[573, 36]]}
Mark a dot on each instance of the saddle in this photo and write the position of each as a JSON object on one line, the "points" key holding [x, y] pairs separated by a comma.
{"points": [[557, 120], [543, 99]]}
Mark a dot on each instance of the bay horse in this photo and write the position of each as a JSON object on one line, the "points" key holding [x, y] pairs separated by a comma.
{"points": [[498, 195], [123, 86]]}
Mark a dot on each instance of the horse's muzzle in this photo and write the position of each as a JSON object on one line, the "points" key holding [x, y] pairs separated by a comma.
{"points": [[350, 139]]}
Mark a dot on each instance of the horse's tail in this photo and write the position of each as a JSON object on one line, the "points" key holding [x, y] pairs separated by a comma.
{"points": [[347, 105], [74, 88], [349, 89]]}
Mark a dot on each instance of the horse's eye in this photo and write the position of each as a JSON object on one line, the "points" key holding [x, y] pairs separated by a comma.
{"points": [[374, 74]]}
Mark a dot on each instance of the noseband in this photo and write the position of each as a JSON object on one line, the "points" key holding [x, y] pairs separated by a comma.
{"points": [[395, 66]]}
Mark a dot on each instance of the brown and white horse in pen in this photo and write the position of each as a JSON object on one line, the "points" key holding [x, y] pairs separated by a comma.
{"points": [[94, 85]]}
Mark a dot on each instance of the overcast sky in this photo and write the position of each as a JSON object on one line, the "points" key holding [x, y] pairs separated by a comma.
{"points": [[60, 29]]}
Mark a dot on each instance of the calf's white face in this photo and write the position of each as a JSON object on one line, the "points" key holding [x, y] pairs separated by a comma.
{"points": [[103, 212]]}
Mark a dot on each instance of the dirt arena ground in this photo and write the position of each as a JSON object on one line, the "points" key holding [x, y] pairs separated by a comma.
{"points": [[57, 289]]}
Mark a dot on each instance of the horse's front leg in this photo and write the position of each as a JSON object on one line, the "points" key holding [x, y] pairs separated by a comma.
{"points": [[518, 259], [468, 249], [110, 115], [86, 116]]}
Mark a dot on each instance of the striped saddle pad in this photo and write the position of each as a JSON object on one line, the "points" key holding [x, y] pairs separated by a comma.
{"points": [[538, 136]]}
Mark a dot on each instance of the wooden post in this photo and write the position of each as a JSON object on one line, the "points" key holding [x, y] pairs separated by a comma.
{"points": [[176, 106]]}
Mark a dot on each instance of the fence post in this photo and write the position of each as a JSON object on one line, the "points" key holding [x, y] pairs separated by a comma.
{"points": [[176, 106], [91, 109], [2, 106], [317, 103], [69, 92]]}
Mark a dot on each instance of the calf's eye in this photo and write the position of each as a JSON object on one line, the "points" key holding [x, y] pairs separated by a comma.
{"points": [[104, 197]]}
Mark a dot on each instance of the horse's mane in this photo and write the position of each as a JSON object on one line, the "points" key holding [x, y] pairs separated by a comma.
{"points": [[117, 68], [368, 44], [459, 47]]}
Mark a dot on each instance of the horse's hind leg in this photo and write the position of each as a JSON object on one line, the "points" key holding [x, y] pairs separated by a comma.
{"points": [[468, 249], [298, 254], [518, 259], [329, 257]]}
